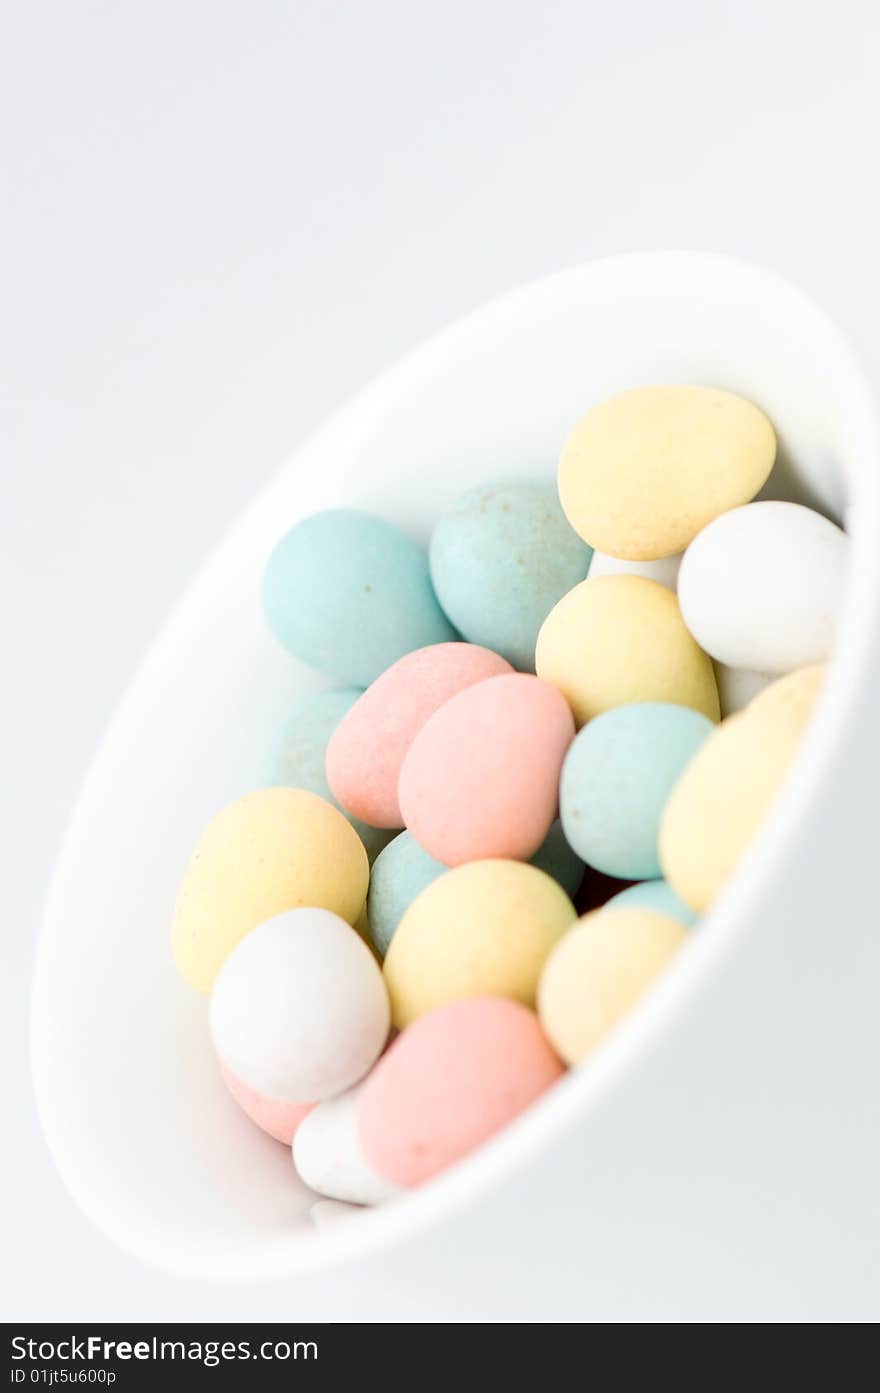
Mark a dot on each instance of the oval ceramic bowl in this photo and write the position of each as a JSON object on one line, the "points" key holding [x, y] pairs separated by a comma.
{"points": [[712, 1119]]}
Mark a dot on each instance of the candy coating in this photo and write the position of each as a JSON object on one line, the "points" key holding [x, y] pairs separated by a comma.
{"points": [[481, 777], [274, 849], [349, 594], [483, 929], [621, 639], [299, 1008], [367, 749], [616, 779], [500, 558], [598, 972], [450, 1082], [643, 472], [762, 586]]}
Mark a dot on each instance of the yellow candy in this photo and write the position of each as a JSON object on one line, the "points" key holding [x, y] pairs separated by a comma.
{"points": [[276, 849], [598, 972], [619, 639], [724, 793], [483, 929], [642, 473], [792, 697]]}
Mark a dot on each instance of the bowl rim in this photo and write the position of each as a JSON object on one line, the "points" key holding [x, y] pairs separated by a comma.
{"points": [[583, 1089]]}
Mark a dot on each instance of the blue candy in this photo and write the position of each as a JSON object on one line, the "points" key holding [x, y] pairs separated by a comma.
{"points": [[654, 894], [501, 557], [349, 594], [616, 779]]}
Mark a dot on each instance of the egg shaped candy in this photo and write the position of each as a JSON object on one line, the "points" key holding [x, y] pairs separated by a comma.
{"points": [[297, 756], [481, 777], [726, 792], [762, 586], [275, 849], [500, 558], [449, 1083], [643, 472], [484, 929], [404, 869], [279, 1120], [366, 751], [349, 594], [621, 639], [792, 698], [616, 779], [656, 895], [330, 1159], [598, 972], [299, 1008], [664, 571]]}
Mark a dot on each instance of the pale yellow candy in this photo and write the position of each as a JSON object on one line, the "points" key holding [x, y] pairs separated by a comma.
{"points": [[642, 473], [598, 972], [727, 789], [620, 639], [793, 697], [483, 929], [273, 850]]}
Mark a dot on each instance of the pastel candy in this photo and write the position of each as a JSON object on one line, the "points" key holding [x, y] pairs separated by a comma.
{"points": [[449, 1083], [367, 749], [664, 570], [481, 777], [483, 929], [599, 971], [279, 1120], [762, 586], [500, 558], [727, 790], [621, 639], [299, 1009], [657, 895], [403, 870], [792, 698], [349, 594], [297, 757], [329, 1157], [643, 472], [616, 779], [275, 849]]}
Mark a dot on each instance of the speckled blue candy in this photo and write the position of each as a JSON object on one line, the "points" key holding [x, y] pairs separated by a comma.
{"points": [[403, 870], [616, 779], [654, 894], [349, 594], [501, 557], [296, 754]]}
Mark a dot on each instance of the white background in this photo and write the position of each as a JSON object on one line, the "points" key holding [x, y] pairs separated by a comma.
{"points": [[217, 220]]}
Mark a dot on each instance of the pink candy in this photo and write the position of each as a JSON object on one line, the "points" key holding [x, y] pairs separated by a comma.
{"points": [[367, 749], [481, 778]]}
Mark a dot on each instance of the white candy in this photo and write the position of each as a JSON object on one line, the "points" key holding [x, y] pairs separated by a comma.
{"points": [[761, 586], [737, 686], [664, 571], [299, 1010], [328, 1156]]}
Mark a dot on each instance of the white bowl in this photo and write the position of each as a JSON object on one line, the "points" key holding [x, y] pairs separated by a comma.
{"points": [[720, 1153]]}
